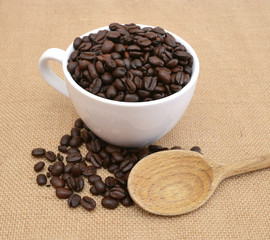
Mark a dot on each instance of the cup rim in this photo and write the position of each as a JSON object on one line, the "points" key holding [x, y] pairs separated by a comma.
{"points": [[193, 79]]}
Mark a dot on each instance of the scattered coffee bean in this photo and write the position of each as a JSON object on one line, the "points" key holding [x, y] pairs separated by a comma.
{"points": [[74, 200], [41, 179], [89, 171], [38, 152], [62, 149], [75, 141], [50, 156], [78, 123], [74, 157], [100, 186], [75, 171], [57, 182], [57, 168], [65, 140], [117, 193], [110, 181], [88, 203], [127, 201], [92, 179], [39, 166], [109, 203], [63, 193], [110, 64], [196, 149], [60, 157], [73, 150]]}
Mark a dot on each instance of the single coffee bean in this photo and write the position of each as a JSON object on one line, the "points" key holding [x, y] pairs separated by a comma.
{"points": [[60, 157], [144, 42], [71, 183], [77, 42], [78, 123], [150, 83], [62, 149], [63, 193], [88, 203], [130, 86], [94, 178], [74, 157], [107, 46], [164, 76], [100, 186], [48, 174], [196, 149], [117, 193], [75, 132], [107, 78], [154, 148], [120, 48], [57, 182], [111, 92], [89, 171], [50, 168], [96, 160], [126, 165], [110, 63], [73, 150], [65, 140], [118, 157], [95, 146], [74, 200], [39, 166], [38, 152], [119, 72], [110, 181], [127, 201], [94, 191], [131, 97], [75, 171], [67, 168], [182, 55], [122, 181], [41, 179], [57, 168], [113, 35], [109, 203], [75, 141], [119, 174], [156, 61], [66, 176], [82, 166], [79, 184], [50, 156], [112, 168]]}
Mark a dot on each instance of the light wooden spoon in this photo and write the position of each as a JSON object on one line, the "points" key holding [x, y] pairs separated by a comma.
{"points": [[178, 181]]}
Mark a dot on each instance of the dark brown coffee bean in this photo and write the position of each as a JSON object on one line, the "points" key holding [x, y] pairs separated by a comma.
{"points": [[82, 165], [39, 166], [85, 136], [117, 193], [154, 148], [176, 148], [119, 72], [144, 42], [107, 78], [66, 176], [75, 132], [77, 42], [75, 171], [89, 171], [96, 160], [57, 182], [83, 64], [112, 168], [60, 157], [50, 168], [100, 186], [62, 149], [119, 84], [95, 146], [113, 35], [158, 96], [133, 48], [109, 203], [175, 87], [170, 40], [119, 174], [74, 157], [79, 184], [107, 46], [182, 55], [156, 61], [85, 46], [150, 83], [71, 183], [118, 157], [75, 141], [164, 76], [110, 181], [67, 168], [172, 63], [92, 71], [121, 181], [196, 149], [41, 179], [127, 201], [78, 123], [73, 150], [57, 168], [143, 94], [130, 85], [65, 140], [119, 48], [74, 200], [74, 55], [111, 92], [94, 191], [126, 165], [63, 193], [94, 178], [110, 63], [50, 156], [131, 97], [38, 152], [88, 203]]}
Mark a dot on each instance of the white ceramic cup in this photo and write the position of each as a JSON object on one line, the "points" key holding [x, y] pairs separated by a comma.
{"points": [[127, 124]]}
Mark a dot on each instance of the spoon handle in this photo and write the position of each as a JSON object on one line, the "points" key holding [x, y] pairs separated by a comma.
{"points": [[249, 165]]}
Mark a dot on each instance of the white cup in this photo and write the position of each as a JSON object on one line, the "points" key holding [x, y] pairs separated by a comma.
{"points": [[126, 124]]}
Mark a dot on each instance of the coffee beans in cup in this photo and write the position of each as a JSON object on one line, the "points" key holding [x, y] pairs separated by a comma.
{"points": [[71, 173], [129, 63]]}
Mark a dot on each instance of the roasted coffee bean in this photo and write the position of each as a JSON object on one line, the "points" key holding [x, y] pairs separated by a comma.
{"points": [[57, 182], [82, 166], [113, 35], [63, 193], [89, 171], [196, 149], [126, 165], [85, 136], [95, 146], [112, 168], [172, 63], [65, 140], [75, 132], [75, 141], [122, 181], [119, 72], [127, 201], [154, 148], [83, 64], [175, 87], [88, 203], [48, 174], [60, 157], [110, 181], [96, 160], [57, 168], [144, 42], [118, 157], [66, 176], [67, 168], [170, 40], [74, 157], [176, 148], [50, 168], [109, 203], [62, 149], [130, 85], [119, 174], [93, 190], [99, 67], [39, 166], [38, 152], [164, 76], [78, 123], [150, 83], [50, 156], [117, 193], [74, 200], [119, 48], [156, 61], [75, 171], [79, 184], [71, 183], [73, 150], [110, 63], [85, 46], [74, 55], [77, 42], [182, 55], [41, 179], [94, 178], [111, 92], [107, 46], [100, 186], [132, 97]]}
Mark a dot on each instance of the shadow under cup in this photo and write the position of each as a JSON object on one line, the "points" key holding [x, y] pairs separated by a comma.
{"points": [[126, 124]]}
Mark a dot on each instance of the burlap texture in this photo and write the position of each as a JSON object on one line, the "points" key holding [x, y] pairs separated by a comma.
{"points": [[228, 116]]}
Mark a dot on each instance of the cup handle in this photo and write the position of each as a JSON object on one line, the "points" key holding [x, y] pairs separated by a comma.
{"points": [[47, 73]]}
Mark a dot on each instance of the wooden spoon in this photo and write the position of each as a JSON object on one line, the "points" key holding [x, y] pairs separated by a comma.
{"points": [[178, 181]]}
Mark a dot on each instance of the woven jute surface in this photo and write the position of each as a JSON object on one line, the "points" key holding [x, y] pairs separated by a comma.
{"points": [[228, 116]]}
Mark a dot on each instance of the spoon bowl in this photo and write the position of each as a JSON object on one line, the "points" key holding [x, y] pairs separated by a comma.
{"points": [[178, 181]]}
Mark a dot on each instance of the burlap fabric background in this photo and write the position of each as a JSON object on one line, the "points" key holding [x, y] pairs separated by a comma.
{"points": [[228, 117]]}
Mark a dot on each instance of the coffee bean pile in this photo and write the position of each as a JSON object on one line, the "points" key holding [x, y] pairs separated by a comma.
{"points": [[129, 63], [69, 178]]}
